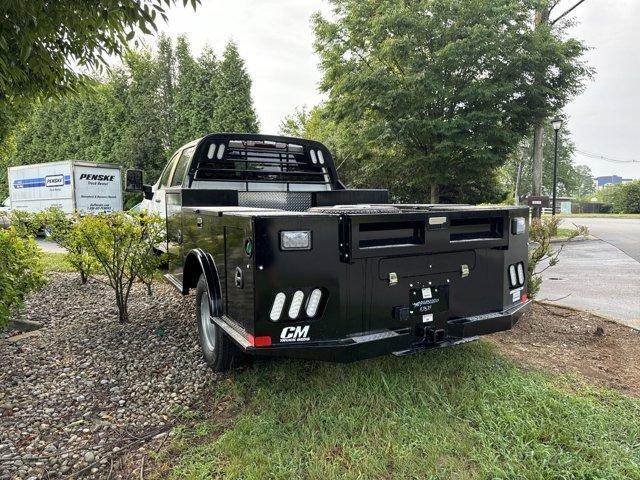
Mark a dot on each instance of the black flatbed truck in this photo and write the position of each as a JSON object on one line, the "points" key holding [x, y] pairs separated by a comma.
{"points": [[286, 261]]}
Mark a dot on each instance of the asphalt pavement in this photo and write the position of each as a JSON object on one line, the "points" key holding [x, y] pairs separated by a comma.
{"points": [[622, 233], [49, 246], [601, 275]]}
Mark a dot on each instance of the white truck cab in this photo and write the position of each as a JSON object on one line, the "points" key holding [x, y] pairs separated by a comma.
{"points": [[155, 200]]}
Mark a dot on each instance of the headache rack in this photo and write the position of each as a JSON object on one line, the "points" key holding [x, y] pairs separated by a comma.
{"points": [[261, 161]]}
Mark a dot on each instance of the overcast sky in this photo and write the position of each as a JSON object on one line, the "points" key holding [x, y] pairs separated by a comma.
{"points": [[276, 41]]}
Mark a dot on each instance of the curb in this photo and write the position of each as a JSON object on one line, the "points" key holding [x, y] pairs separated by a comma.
{"points": [[580, 310]]}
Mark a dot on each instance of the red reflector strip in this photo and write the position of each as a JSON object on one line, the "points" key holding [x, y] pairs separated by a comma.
{"points": [[524, 298], [263, 341]]}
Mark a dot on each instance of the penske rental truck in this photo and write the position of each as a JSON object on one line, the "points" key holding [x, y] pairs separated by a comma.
{"points": [[286, 261], [72, 186]]}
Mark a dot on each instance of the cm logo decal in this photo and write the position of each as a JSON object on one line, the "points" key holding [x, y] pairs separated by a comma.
{"points": [[295, 334]]}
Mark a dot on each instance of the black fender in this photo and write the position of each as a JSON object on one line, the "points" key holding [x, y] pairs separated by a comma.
{"points": [[197, 262]]}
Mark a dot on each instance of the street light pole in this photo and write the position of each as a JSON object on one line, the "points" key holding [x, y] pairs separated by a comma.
{"points": [[557, 123]]}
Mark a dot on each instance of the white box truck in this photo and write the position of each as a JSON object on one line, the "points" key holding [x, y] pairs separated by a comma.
{"points": [[71, 185]]}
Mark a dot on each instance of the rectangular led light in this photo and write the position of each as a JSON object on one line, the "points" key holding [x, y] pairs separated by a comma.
{"points": [[295, 240]]}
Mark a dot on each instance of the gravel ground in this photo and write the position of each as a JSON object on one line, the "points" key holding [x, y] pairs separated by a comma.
{"points": [[86, 389]]}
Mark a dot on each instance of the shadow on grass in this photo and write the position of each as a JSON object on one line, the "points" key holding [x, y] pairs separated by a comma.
{"points": [[461, 412]]}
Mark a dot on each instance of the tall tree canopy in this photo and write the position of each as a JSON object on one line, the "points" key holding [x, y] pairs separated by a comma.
{"points": [[441, 91], [140, 113]]}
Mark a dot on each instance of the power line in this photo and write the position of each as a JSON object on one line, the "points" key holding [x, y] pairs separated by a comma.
{"points": [[605, 158]]}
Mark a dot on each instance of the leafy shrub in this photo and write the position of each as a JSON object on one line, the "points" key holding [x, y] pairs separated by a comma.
{"points": [[60, 228], [62, 231], [21, 271], [123, 245], [626, 197], [540, 233]]}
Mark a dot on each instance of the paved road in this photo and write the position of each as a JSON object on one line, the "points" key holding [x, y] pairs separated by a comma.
{"points": [[623, 233], [602, 275], [49, 246]]}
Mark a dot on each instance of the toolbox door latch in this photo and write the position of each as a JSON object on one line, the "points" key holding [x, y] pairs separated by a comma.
{"points": [[393, 279], [464, 270]]}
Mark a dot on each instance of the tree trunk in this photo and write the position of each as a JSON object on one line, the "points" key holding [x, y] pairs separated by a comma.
{"points": [[536, 167], [121, 302], [435, 192], [83, 277], [516, 200]]}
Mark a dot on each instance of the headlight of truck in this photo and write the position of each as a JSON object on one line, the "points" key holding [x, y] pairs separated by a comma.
{"points": [[295, 240], [517, 225]]}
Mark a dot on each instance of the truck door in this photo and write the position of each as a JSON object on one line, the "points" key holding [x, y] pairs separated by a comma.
{"points": [[173, 205], [158, 203]]}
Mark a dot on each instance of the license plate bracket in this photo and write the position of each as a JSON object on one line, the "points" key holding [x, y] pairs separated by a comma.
{"points": [[427, 301]]}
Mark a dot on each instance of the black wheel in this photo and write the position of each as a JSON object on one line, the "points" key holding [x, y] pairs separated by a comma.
{"points": [[219, 351]]}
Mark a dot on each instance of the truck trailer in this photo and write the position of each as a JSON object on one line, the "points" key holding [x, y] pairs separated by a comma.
{"points": [[286, 261], [72, 186]]}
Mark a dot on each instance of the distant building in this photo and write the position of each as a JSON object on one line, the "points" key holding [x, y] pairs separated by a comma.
{"points": [[611, 180]]}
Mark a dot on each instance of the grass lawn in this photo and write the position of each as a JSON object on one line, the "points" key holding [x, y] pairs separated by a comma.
{"points": [[564, 232], [462, 412], [55, 262]]}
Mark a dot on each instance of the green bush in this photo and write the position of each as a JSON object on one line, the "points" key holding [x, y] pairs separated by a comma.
{"points": [[626, 197], [62, 229], [21, 271], [123, 245]]}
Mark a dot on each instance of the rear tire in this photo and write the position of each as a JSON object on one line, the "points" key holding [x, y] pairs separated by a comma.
{"points": [[219, 351]]}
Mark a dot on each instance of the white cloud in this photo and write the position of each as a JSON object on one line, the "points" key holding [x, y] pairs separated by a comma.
{"points": [[274, 37]]}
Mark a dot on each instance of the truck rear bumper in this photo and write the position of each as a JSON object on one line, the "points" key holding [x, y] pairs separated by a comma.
{"points": [[398, 342]]}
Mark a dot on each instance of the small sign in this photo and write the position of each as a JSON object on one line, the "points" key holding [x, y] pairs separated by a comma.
{"points": [[54, 181], [515, 295], [427, 318], [426, 293]]}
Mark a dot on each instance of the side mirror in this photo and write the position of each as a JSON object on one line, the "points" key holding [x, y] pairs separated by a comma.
{"points": [[133, 181]]}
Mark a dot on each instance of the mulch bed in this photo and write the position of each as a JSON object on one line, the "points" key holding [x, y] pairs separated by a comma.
{"points": [[85, 389], [566, 340]]}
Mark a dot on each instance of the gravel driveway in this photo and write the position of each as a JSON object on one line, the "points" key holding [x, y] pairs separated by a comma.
{"points": [[85, 389]]}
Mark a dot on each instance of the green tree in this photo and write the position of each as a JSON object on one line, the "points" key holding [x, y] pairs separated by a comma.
{"points": [[626, 197], [234, 111], [557, 74], [138, 114], [122, 244], [41, 42], [186, 83], [441, 87]]}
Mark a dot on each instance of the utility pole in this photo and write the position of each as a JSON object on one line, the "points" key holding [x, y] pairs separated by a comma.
{"points": [[542, 19]]}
